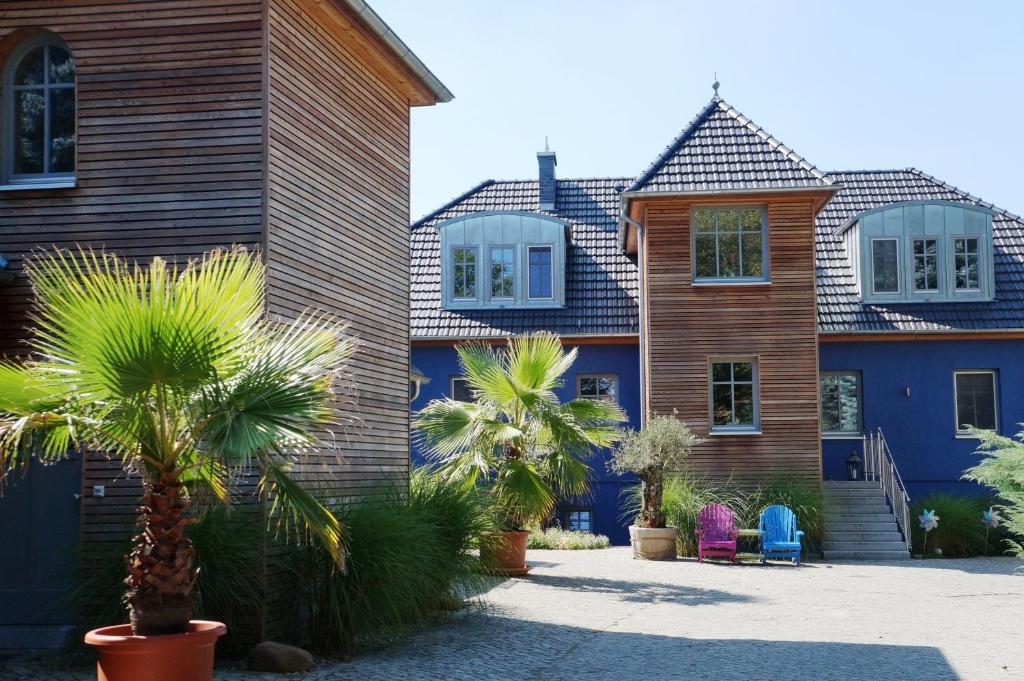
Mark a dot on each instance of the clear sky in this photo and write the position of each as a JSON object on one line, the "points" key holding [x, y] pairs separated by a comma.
{"points": [[862, 84]]}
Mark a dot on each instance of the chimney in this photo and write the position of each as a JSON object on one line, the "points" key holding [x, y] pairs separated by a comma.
{"points": [[546, 163]]}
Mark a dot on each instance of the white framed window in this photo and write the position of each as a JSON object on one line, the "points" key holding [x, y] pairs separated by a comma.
{"points": [[885, 265], [597, 387], [39, 114], [580, 520], [975, 399], [730, 244], [503, 272], [841, 406], [459, 390], [464, 272], [966, 264], [539, 274], [734, 400], [926, 264]]}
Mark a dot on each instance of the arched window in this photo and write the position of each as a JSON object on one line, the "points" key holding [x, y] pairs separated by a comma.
{"points": [[39, 112]]}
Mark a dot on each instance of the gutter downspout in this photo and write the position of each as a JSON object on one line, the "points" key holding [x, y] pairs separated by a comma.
{"points": [[642, 307]]}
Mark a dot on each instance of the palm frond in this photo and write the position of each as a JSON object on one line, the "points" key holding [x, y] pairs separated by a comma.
{"points": [[522, 492], [538, 361]]}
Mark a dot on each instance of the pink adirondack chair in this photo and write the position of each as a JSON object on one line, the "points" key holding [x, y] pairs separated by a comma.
{"points": [[716, 532]]}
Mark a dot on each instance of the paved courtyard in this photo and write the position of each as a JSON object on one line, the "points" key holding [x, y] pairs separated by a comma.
{"points": [[602, 615]]}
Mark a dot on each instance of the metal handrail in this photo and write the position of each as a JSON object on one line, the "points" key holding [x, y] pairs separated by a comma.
{"points": [[880, 467]]}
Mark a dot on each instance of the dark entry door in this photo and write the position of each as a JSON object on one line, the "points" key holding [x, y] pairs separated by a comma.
{"points": [[39, 537]]}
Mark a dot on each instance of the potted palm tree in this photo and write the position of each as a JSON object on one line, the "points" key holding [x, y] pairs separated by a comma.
{"points": [[177, 373], [516, 437], [663, 444]]}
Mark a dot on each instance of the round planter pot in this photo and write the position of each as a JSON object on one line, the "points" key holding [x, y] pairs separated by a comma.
{"points": [[508, 554], [174, 657], [653, 543]]}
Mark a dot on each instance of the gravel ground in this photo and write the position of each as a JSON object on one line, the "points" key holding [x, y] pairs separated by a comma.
{"points": [[602, 615]]}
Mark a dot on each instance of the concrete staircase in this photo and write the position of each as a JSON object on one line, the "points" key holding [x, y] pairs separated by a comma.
{"points": [[859, 524]]}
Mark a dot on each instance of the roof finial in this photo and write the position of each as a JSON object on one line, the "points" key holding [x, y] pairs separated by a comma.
{"points": [[546, 149], [714, 86]]}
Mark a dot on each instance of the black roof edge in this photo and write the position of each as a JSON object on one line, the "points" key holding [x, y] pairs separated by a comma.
{"points": [[673, 146], [451, 204]]}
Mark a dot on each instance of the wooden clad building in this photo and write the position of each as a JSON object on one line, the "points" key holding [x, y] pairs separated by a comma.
{"points": [[723, 224], [172, 127]]}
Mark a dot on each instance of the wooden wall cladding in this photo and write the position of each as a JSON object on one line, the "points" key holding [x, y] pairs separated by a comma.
{"points": [[170, 160], [774, 322], [337, 227]]}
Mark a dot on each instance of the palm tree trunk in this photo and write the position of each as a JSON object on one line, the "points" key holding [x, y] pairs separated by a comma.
{"points": [[161, 570]]}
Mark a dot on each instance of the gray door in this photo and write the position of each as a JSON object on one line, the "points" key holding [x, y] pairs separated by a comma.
{"points": [[39, 542]]}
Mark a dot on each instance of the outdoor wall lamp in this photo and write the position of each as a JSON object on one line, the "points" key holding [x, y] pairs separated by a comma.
{"points": [[853, 466]]}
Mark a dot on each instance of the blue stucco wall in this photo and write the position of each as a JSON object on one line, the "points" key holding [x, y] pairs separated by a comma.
{"points": [[920, 429], [441, 363]]}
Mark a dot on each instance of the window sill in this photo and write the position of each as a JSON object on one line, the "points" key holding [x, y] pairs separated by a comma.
{"points": [[36, 186], [720, 433], [731, 282], [842, 436]]}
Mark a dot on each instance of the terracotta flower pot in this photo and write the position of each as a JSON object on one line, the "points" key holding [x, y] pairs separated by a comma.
{"points": [[508, 553], [653, 543], [174, 657]]}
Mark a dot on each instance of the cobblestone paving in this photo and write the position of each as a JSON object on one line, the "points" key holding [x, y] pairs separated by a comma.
{"points": [[601, 615]]}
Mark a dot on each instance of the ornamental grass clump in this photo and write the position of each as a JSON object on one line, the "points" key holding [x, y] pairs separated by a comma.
{"points": [[515, 437], [177, 373], [663, 445]]}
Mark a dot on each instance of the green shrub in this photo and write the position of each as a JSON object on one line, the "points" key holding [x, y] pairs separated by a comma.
{"points": [[557, 538], [1003, 470], [685, 495], [960, 533], [409, 561]]}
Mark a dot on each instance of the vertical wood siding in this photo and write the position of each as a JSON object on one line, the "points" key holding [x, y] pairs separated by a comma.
{"points": [[775, 323], [170, 158], [337, 227]]}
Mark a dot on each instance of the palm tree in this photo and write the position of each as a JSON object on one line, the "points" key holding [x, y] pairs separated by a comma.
{"points": [[177, 373], [515, 434]]}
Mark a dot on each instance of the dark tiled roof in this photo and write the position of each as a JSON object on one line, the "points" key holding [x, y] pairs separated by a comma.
{"points": [[839, 306], [723, 150], [601, 282]]}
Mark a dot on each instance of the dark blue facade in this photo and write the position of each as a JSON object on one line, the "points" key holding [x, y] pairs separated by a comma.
{"points": [[921, 428], [440, 364]]}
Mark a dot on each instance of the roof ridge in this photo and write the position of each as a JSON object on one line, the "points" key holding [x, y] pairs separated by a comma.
{"points": [[451, 204], [967, 195], [717, 103], [567, 179], [866, 171]]}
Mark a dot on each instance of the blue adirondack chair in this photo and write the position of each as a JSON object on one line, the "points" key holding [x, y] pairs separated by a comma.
{"points": [[779, 536]]}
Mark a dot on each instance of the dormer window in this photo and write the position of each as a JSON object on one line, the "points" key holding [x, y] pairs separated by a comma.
{"points": [[522, 266], [922, 251]]}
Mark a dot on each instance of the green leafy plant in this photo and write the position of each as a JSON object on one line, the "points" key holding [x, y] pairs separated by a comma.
{"points": [[177, 373], [682, 500], [565, 540], [411, 560], [960, 533], [516, 436], [1002, 469], [664, 444]]}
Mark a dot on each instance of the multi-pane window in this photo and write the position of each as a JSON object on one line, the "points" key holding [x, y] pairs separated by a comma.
{"points": [[40, 110], [926, 264], [885, 266], [965, 263], [463, 273], [597, 387], [539, 271], [734, 394], [503, 272], [729, 243], [975, 399], [580, 520], [460, 390], [840, 402]]}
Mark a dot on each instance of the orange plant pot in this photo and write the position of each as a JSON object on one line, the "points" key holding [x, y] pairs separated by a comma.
{"points": [[508, 555], [174, 657]]}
